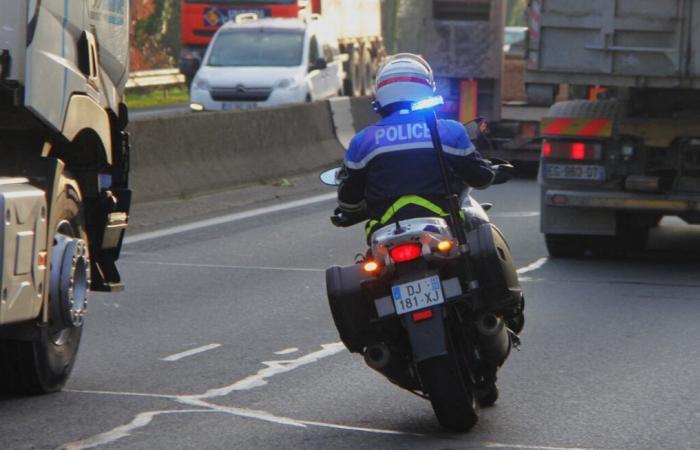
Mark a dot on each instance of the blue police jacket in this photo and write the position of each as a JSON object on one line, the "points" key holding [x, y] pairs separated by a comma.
{"points": [[391, 168]]}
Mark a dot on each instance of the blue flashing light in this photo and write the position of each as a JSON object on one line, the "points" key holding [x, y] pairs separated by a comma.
{"points": [[428, 103]]}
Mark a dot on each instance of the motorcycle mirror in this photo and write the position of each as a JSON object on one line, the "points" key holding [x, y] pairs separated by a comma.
{"points": [[330, 177], [476, 128]]}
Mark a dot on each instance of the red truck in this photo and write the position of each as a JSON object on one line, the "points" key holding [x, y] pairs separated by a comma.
{"points": [[357, 23]]}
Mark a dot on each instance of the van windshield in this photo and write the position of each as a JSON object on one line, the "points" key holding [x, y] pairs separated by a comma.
{"points": [[257, 47]]}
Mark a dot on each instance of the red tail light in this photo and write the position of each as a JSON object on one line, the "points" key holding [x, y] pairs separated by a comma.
{"points": [[546, 149], [422, 315], [405, 252], [578, 151]]}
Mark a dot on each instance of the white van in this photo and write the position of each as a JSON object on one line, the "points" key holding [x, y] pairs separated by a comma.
{"points": [[267, 62]]}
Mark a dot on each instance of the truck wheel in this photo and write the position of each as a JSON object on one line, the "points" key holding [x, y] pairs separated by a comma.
{"points": [[454, 403], [633, 231], [565, 245], [43, 366], [367, 73], [353, 82]]}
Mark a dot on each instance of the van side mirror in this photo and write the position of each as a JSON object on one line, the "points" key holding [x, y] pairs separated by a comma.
{"points": [[319, 64]]}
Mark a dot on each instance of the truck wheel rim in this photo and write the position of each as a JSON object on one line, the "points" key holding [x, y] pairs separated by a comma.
{"points": [[70, 281]]}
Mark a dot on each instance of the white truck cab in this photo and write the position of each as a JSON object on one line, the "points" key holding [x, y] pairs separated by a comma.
{"points": [[64, 196], [255, 63]]}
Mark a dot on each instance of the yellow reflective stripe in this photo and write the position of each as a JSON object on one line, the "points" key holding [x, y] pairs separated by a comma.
{"points": [[369, 226], [400, 203], [411, 200]]}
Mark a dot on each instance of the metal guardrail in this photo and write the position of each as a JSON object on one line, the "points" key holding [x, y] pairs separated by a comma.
{"points": [[154, 78]]}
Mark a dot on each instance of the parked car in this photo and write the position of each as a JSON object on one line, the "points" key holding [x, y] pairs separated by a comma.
{"points": [[252, 63]]}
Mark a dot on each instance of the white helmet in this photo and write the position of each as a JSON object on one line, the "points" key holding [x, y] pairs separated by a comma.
{"points": [[404, 77]]}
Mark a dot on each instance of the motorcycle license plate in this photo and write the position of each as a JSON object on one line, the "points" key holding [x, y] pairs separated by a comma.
{"points": [[417, 295]]}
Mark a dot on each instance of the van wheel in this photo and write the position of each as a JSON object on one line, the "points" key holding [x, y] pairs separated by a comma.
{"points": [[44, 365]]}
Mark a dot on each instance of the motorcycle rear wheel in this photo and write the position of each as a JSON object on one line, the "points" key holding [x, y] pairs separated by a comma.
{"points": [[454, 403]]}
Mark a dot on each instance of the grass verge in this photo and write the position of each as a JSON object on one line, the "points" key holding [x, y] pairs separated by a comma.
{"points": [[158, 97]]}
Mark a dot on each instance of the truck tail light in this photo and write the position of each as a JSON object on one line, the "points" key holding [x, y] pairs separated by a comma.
{"points": [[578, 151]]}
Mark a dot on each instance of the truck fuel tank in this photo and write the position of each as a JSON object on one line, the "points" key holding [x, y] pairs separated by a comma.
{"points": [[23, 235]]}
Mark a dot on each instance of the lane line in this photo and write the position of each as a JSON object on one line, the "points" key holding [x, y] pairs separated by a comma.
{"points": [[272, 368], [515, 215], [120, 394], [224, 266], [287, 351], [141, 420], [501, 445], [533, 266], [228, 218], [194, 351]]}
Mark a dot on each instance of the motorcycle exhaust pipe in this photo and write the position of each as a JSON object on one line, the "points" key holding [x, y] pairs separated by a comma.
{"points": [[377, 356], [493, 341]]}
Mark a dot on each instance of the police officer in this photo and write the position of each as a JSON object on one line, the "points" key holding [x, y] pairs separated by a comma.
{"points": [[390, 171]]}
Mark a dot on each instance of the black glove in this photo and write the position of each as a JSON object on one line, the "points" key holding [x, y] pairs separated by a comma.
{"points": [[344, 219], [504, 172]]}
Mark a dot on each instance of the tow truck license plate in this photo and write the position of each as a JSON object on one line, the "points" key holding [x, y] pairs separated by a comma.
{"points": [[574, 172], [417, 295]]}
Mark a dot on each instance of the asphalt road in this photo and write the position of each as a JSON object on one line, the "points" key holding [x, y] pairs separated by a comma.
{"points": [[223, 339]]}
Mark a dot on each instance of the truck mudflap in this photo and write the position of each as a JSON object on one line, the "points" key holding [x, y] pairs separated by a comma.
{"points": [[109, 218], [428, 338], [629, 201]]}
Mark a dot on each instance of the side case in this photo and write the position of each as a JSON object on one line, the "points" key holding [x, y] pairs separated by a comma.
{"points": [[351, 312], [493, 263]]}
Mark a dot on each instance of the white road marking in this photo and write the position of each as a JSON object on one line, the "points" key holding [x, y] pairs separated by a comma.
{"points": [[229, 218], [533, 266], [121, 394], [273, 368], [287, 351], [224, 266], [141, 420], [363, 429], [194, 351], [259, 379], [531, 447]]}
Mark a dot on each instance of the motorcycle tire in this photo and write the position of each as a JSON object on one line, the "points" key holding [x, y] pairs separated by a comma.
{"points": [[454, 403]]}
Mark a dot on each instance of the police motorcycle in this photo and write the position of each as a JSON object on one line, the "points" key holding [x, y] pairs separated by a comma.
{"points": [[435, 305]]}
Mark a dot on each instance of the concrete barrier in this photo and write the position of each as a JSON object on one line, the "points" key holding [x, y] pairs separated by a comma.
{"points": [[195, 153], [362, 112]]}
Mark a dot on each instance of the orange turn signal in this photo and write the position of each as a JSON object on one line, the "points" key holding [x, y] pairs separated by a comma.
{"points": [[444, 246], [371, 266]]}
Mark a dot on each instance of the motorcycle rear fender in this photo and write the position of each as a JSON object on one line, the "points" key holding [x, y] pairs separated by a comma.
{"points": [[428, 338]]}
